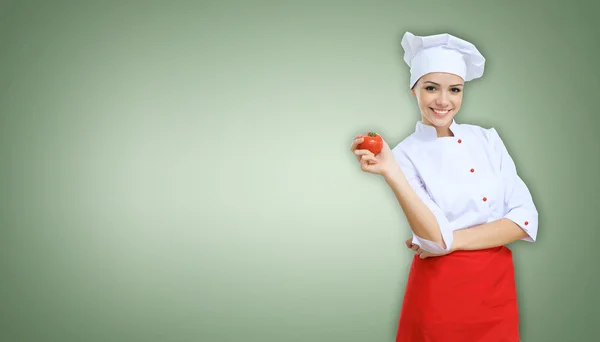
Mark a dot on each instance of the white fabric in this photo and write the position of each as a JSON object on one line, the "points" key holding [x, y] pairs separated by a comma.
{"points": [[441, 53], [452, 178]]}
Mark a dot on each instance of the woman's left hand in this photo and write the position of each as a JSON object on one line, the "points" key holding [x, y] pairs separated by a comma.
{"points": [[420, 251]]}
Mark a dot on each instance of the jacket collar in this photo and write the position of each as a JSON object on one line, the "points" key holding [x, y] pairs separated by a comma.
{"points": [[428, 132]]}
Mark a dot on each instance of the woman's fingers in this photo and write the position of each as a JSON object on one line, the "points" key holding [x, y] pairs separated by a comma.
{"points": [[368, 157], [357, 140], [422, 253], [418, 250], [363, 153], [366, 161], [425, 254]]}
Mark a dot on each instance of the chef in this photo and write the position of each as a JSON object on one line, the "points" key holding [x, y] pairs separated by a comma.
{"points": [[459, 190]]}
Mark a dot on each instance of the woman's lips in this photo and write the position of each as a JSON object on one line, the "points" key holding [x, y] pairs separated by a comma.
{"points": [[441, 112]]}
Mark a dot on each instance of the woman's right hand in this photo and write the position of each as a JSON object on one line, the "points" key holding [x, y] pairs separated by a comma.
{"points": [[382, 163]]}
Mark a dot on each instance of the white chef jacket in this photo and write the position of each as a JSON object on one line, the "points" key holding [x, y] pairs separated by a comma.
{"points": [[465, 180]]}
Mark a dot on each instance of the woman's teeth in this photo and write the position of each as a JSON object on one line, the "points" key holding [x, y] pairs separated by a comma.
{"points": [[440, 112]]}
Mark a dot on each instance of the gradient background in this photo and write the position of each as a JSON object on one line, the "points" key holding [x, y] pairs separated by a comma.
{"points": [[181, 171]]}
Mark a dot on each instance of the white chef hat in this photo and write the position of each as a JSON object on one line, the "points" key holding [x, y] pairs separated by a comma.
{"points": [[441, 53]]}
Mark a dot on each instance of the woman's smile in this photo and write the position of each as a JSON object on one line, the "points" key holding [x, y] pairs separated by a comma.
{"points": [[440, 112]]}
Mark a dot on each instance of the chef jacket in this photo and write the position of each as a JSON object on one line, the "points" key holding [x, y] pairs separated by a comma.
{"points": [[465, 180]]}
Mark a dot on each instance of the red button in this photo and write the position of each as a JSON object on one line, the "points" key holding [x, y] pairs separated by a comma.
{"points": [[485, 199], [526, 223], [472, 170], [459, 141]]}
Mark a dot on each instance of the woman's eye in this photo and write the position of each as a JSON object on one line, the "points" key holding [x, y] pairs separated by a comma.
{"points": [[430, 88], [456, 90]]}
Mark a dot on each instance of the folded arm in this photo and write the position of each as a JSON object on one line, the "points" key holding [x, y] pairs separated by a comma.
{"points": [[521, 219], [497, 233]]}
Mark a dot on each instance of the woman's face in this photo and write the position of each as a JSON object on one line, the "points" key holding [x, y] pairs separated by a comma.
{"points": [[439, 96]]}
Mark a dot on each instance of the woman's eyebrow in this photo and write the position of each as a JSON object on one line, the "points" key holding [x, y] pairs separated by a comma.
{"points": [[437, 84]]}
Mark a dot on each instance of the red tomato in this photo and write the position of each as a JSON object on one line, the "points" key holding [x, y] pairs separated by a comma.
{"points": [[372, 142]]}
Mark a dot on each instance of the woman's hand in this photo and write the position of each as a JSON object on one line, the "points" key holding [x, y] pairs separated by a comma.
{"points": [[423, 254], [381, 164]]}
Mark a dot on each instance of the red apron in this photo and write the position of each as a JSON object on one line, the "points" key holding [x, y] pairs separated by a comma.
{"points": [[465, 296]]}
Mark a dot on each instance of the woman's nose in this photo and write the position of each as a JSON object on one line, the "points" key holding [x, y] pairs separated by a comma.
{"points": [[442, 100]]}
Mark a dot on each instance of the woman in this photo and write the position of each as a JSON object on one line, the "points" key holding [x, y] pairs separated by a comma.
{"points": [[459, 190]]}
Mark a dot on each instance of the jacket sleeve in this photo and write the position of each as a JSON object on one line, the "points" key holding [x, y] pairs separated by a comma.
{"points": [[413, 178], [518, 202]]}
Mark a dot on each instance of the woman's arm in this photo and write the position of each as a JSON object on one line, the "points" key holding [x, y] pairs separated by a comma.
{"points": [[494, 234], [420, 218], [518, 202], [431, 228], [521, 219]]}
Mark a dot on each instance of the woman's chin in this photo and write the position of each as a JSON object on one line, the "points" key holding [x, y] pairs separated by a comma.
{"points": [[440, 121]]}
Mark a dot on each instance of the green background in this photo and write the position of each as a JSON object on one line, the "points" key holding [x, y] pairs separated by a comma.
{"points": [[180, 171]]}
